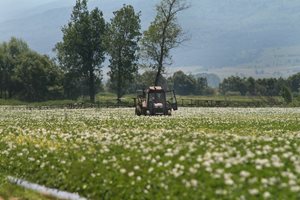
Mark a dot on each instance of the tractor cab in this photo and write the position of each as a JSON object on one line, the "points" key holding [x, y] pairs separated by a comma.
{"points": [[155, 101]]}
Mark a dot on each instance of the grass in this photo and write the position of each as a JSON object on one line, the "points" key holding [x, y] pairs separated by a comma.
{"points": [[14, 192], [232, 98], [14, 102], [109, 99]]}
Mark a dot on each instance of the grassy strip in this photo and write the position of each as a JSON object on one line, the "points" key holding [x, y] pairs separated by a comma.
{"points": [[109, 100], [10, 191]]}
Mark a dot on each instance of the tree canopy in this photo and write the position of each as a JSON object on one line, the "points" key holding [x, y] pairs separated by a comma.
{"points": [[37, 78]]}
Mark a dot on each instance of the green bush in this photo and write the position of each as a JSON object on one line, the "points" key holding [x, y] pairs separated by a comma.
{"points": [[287, 94]]}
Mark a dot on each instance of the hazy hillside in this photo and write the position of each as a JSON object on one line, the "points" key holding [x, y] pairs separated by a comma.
{"points": [[14, 8], [228, 33], [233, 32]]}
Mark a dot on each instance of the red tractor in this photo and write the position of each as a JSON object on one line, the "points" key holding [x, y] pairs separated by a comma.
{"points": [[155, 101]]}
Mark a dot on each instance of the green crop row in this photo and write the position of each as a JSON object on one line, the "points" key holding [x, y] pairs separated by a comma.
{"points": [[197, 153]]}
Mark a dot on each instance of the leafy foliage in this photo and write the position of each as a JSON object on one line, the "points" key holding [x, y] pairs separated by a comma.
{"points": [[38, 78], [189, 85], [10, 55], [26, 74], [287, 94], [294, 82], [250, 86]]}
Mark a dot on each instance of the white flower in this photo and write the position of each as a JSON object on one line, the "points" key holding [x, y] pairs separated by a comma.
{"points": [[244, 174], [266, 195], [104, 161], [182, 158], [221, 192], [31, 159], [194, 183], [295, 188], [253, 191], [229, 181], [130, 174], [150, 169], [192, 170]]}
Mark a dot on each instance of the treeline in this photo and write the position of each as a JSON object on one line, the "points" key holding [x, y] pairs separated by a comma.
{"points": [[287, 88], [183, 84], [30, 76]]}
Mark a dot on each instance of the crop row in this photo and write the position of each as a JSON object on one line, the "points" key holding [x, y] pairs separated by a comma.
{"points": [[198, 153]]}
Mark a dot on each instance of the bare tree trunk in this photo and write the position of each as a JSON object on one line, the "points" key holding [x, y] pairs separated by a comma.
{"points": [[119, 84], [1, 89], [160, 63], [92, 86], [119, 87], [157, 77], [10, 93], [1, 86]]}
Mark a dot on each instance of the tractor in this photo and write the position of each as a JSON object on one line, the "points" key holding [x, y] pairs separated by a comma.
{"points": [[155, 101]]}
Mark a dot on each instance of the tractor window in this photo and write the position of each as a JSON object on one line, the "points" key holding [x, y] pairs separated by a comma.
{"points": [[156, 97]]}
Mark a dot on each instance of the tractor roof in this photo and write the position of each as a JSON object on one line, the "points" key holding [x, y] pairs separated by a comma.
{"points": [[155, 88]]}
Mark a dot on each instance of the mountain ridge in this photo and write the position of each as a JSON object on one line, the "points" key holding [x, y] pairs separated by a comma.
{"points": [[227, 33]]}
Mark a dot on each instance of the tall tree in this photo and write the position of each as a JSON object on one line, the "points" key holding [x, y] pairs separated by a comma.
{"points": [[184, 84], [201, 86], [82, 50], [294, 82], [2, 57], [164, 34], [251, 84], [123, 37], [234, 84]]}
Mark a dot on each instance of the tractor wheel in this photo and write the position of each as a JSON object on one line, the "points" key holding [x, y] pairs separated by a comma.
{"points": [[138, 110], [168, 112], [144, 111]]}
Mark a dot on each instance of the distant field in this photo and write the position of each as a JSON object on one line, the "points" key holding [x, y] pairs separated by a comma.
{"points": [[197, 153], [233, 98], [110, 100]]}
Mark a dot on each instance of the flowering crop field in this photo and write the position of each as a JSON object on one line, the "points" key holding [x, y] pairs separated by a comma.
{"points": [[197, 153]]}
